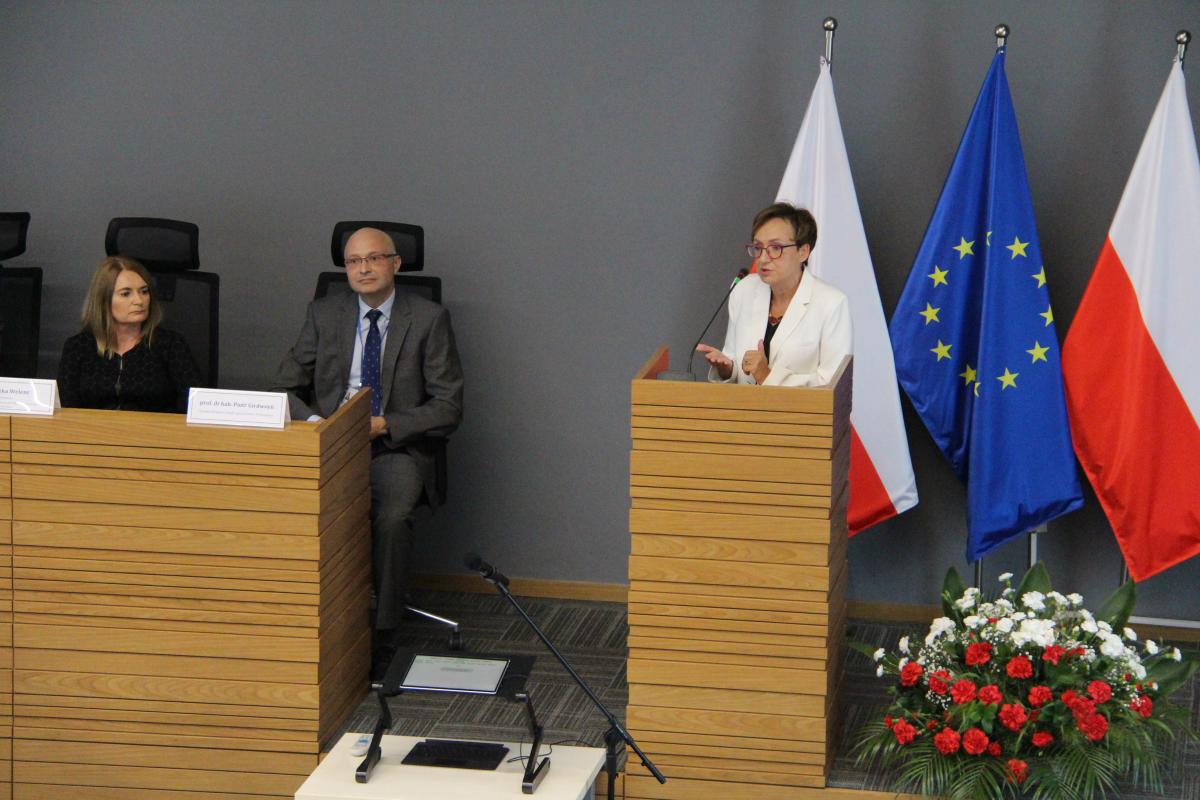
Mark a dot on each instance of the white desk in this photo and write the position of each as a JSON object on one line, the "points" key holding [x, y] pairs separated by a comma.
{"points": [[572, 775]]}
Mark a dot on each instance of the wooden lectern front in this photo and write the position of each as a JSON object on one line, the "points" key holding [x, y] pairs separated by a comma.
{"points": [[183, 609], [737, 578]]}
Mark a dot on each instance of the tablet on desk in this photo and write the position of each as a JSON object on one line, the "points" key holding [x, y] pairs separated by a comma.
{"points": [[465, 674]]}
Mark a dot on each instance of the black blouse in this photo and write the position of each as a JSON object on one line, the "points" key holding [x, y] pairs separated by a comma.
{"points": [[150, 377]]}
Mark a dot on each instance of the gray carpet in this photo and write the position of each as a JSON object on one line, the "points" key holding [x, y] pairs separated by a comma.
{"points": [[592, 636]]}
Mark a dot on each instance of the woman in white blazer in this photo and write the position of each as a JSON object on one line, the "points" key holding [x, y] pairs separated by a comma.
{"points": [[786, 327]]}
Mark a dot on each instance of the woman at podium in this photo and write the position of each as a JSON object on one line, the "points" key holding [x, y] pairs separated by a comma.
{"points": [[786, 327], [123, 359]]}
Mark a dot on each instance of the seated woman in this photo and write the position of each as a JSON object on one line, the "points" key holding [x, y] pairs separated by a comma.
{"points": [[786, 327], [122, 359]]}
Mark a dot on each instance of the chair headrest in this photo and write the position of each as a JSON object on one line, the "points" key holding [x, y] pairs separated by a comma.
{"points": [[162, 245], [13, 227], [408, 239]]}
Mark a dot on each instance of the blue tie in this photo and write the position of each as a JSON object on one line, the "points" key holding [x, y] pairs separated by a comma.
{"points": [[372, 352]]}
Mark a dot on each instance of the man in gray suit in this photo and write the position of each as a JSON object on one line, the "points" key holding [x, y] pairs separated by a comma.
{"points": [[401, 346]]}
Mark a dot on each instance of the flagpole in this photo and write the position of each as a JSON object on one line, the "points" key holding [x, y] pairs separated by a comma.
{"points": [[1181, 41], [1001, 32], [830, 25]]}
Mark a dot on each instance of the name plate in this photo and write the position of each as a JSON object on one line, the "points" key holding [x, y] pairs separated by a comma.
{"points": [[28, 396], [238, 409]]}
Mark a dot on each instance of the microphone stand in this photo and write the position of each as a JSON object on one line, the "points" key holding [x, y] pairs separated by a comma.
{"points": [[616, 732], [689, 374]]}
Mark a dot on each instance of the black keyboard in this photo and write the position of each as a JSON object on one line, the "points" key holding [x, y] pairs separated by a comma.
{"points": [[458, 755]]}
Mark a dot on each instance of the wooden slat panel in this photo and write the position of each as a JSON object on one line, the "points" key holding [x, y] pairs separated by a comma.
{"points": [[29, 585], [802, 705], [639, 787], [725, 676], [742, 499], [728, 526], [783, 443], [148, 475], [683, 738], [730, 549], [733, 605], [789, 512], [733, 450], [730, 396], [272, 569], [160, 494], [353, 416], [39, 457], [36, 791], [730, 614], [699, 570], [97, 733], [752, 754], [220, 696], [711, 419], [279, 624], [296, 719], [757, 726], [201, 519], [213, 646], [810, 600], [152, 602], [719, 627], [174, 573], [100, 454], [222, 669], [774, 774], [729, 485], [282, 729], [706, 648], [731, 466], [87, 426], [696, 654], [128, 776], [217, 547]]}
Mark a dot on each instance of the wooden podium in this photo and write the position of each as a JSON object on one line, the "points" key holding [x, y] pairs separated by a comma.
{"points": [[184, 608], [737, 577]]}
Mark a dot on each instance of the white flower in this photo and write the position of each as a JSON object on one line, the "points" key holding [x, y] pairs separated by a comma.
{"points": [[1005, 577], [879, 654], [964, 602], [1137, 670], [1151, 647], [879, 671], [1005, 604], [1004, 625], [938, 627], [1176, 655], [1034, 600], [1111, 646], [903, 644], [1130, 634], [974, 621], [903, 661], [1037, 631], [1058, 598], [1075, 599], [1104, 626], [1089, 626], [1008, 592]]}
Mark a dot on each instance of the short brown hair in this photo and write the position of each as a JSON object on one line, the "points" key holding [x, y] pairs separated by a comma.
{"points": [[804, 225], [97, 306]]}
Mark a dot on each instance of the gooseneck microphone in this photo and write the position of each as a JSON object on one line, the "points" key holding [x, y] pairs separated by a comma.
{"points": [[690, 374], [486, 571]]}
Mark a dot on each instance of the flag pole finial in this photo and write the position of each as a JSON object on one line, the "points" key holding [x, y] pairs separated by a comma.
{"points": [[830, 25], [1181, 41], [1001, 32]]}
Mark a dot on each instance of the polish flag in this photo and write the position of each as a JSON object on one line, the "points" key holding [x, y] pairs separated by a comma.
{"points": [[818, 178], [1131, 360]]}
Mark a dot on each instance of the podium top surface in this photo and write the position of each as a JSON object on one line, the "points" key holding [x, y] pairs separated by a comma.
{"points": [[573, 772]]}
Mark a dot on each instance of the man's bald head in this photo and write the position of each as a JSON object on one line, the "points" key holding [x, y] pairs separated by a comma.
{"points": [[371, 265]]}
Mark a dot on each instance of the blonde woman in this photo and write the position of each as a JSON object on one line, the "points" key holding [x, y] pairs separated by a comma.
{"points": [[123, 359]]}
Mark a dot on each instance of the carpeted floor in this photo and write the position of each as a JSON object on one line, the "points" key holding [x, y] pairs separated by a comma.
{"points": [[592, 636]]}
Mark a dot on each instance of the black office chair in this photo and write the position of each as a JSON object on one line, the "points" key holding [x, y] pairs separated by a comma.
{"points": [[20, 302], [170, 250], [409, 243]]}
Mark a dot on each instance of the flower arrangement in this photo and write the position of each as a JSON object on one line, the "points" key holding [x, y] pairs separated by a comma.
{"points": [[1027, 694]]}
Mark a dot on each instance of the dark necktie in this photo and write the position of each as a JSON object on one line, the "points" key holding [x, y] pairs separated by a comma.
{"points": [[371, 356]]}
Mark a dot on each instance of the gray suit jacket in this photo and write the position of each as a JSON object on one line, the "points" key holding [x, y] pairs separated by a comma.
{"points": [[421, 375]]}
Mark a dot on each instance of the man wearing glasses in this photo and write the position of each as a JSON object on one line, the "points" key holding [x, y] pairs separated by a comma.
{"points": [[401, 347]]}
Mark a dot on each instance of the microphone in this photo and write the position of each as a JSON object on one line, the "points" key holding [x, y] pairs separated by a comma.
{"points": [[690, 375], [486, 571]]}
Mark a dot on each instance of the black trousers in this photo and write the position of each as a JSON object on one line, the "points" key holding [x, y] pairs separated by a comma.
{"points": [[396, 486]]}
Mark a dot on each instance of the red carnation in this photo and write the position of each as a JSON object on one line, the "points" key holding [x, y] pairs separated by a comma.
{"points": [[1142, 704], [1040, 695], [994, 749], [1018, 769], [979, 653], [1042, 739], [1013, 716], [1094, 727], [911, 673], [1100, 691], [1078, 651], [990, 695], [887, 720], [1053, 653], [963, 691], [930, 725], [939, 682], [1083, 707], [1019, 667], [947, 741], [1068, 697], [904, 732], [974, 741]]}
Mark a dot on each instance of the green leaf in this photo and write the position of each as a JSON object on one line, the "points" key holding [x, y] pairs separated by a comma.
{"points": [[1037, 579], [1119, 606], [867, 650], [952, 589], [1170, 675]]}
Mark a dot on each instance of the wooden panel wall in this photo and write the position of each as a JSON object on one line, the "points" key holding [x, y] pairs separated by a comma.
{"points": [[737, 584], [189, 608], [6, 610]]}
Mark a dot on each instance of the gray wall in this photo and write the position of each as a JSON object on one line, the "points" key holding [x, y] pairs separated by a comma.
{"points": [[585, 173]]}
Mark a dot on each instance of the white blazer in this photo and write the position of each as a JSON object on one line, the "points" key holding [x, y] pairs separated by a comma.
{"points": [[812, 338]]}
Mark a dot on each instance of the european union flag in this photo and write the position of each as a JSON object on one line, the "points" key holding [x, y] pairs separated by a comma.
{"points": [[974, 337]]}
